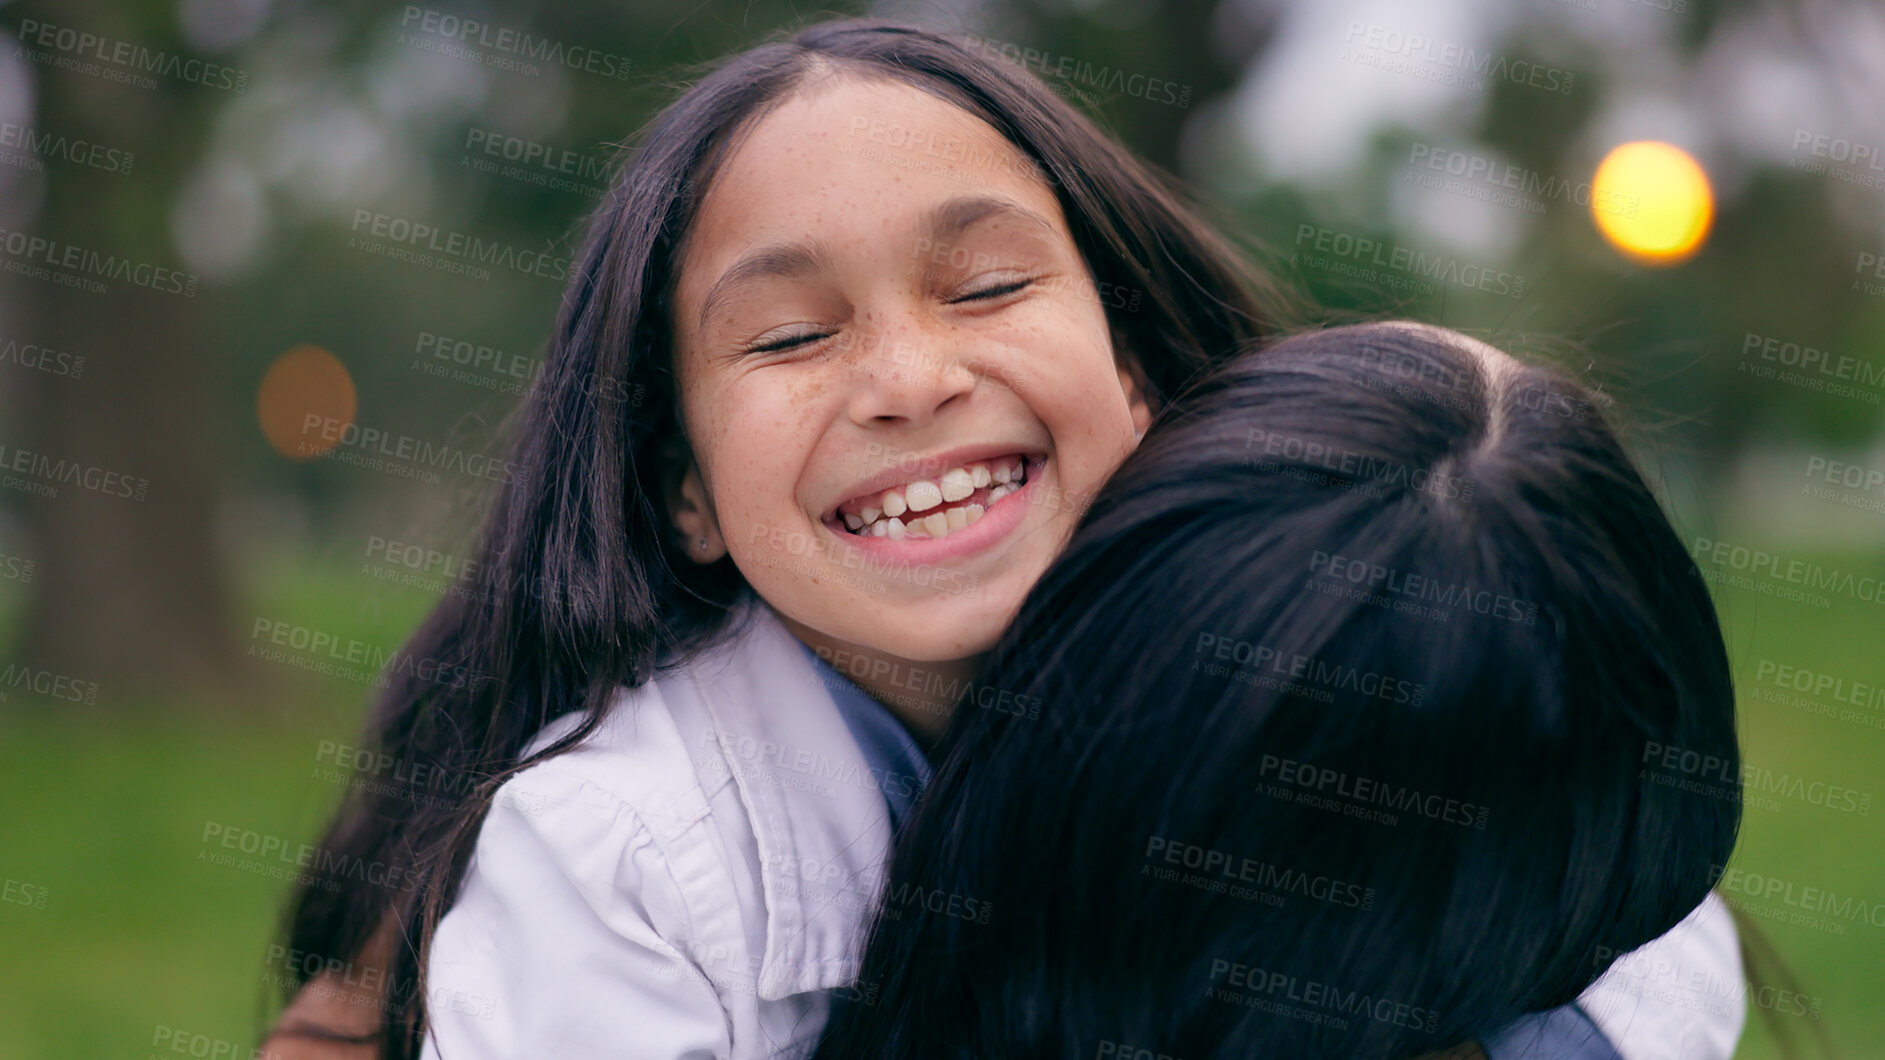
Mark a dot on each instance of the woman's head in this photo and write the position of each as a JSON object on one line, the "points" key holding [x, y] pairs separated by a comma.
{"points": [[1354, 685]]}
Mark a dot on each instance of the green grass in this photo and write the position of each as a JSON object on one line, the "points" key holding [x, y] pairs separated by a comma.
{"points": [[136, 932], [1811, 845], [106, 811]]}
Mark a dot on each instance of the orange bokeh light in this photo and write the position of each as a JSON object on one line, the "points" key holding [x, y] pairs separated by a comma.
{"points": [[305, 400]]}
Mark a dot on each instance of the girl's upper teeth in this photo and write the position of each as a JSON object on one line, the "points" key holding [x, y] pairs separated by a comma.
{"points": [[920, 496], [893, 513], [957, 483]]}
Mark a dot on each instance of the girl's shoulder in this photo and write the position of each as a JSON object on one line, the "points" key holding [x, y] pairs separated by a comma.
{"points": [[736, 770], [748, 699]]}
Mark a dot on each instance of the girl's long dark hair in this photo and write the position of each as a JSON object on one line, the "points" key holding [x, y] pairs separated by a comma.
{"points": [[579, 587], [1374, 704]]}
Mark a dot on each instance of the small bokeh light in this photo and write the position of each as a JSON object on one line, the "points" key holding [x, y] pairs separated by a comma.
{"points": [[1652, 201], [306, 400]]}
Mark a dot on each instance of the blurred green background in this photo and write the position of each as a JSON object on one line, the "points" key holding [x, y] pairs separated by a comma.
{"points": [[134, 712]]}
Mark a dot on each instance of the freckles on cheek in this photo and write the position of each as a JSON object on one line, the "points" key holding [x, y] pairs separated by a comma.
{"points": [[767, 434]]}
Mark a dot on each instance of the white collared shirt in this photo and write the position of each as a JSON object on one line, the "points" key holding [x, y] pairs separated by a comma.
{"points": [[1683, 995], [692, 879], [688, 882]]}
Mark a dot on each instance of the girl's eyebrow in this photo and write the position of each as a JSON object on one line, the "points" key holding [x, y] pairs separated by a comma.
{"points": [[942, 223], [779, 259], [952, 217]]}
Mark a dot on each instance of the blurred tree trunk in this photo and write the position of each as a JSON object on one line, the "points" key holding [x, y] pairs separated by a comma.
{"points": [[129, 594]]}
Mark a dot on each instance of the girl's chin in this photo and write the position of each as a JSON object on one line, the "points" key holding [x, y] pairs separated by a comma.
{"points": [[953, 628]]}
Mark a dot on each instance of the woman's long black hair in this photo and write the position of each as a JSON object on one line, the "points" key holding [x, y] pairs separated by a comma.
{"points": [[1368, 691], [579, 587]]}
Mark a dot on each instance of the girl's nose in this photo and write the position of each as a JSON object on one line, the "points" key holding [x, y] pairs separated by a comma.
{"points": [[907, 378]]}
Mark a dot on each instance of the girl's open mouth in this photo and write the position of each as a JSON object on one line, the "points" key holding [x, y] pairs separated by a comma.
{"points": [[934, 507]]}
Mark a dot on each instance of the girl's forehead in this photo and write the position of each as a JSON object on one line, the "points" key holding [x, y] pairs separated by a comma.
{"points": [[841, 166], [846, 143]]}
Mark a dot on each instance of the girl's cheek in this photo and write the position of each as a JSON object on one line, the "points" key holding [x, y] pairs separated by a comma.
{"points": [[764, 453]]}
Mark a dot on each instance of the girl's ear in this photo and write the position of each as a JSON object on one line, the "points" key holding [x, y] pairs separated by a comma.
{"points": [[689, 507]]}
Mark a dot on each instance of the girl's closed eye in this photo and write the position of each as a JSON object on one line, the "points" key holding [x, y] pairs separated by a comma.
{"points": [[799, 338], [997, 290], [788, 342]]}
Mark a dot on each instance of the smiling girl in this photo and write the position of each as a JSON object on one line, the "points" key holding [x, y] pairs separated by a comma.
{"points": [[863, 273], [858, 330]]}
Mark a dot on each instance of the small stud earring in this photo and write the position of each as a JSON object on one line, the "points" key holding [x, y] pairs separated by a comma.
{"points": [[703, 544]]}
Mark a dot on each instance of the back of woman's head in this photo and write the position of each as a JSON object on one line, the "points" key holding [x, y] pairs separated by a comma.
{"points": [[1347, 710]]}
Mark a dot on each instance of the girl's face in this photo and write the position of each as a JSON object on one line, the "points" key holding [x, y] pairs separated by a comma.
{"points": [[896, 378]]}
